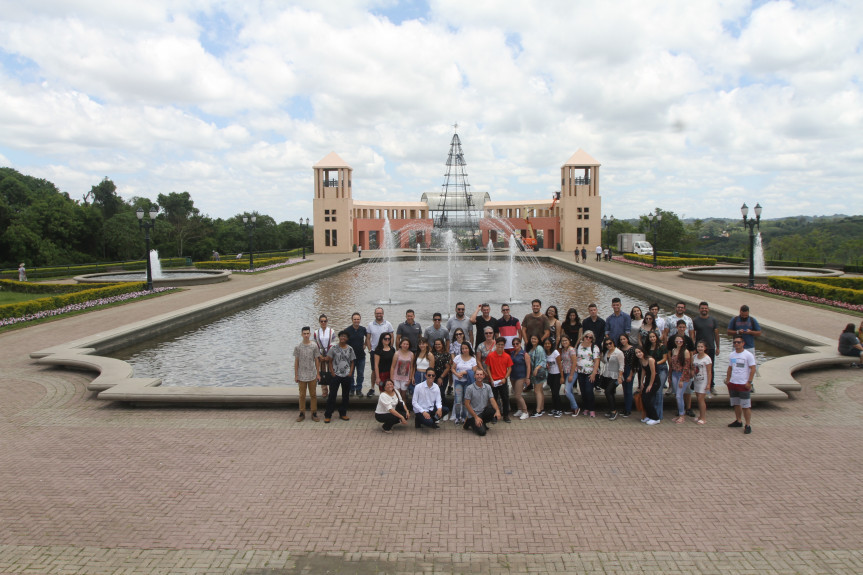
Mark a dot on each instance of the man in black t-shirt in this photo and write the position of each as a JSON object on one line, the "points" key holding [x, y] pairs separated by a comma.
{"points": [[482, 318], [357, 340]]}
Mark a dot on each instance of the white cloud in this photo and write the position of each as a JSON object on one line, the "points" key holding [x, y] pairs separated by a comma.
{"points": [[690, 106]]}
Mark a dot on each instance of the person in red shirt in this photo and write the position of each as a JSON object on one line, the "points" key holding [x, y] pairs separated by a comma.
{"points": [[499, 365]]}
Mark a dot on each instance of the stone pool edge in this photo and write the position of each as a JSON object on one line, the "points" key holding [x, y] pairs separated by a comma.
{"points": [[116, 382]]}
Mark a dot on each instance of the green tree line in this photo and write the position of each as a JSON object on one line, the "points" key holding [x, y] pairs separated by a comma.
{"points": [[42, 226], [826, 239]]}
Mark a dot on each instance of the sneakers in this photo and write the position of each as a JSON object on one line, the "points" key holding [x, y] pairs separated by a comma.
{"points": [[613, 416], [645, 420], [576, 412], [567, 412], [385, 430], [371, 392], [517, 414], [626, 413], [690, 413], [556, 414], [735, 423], [593, 414], [507, 420], [523, 416], [747, 430], [445, 417], [538, 414], [652, 422]]}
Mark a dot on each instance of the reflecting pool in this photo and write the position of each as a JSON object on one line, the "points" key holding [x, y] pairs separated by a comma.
{"points": [[255, 346]]}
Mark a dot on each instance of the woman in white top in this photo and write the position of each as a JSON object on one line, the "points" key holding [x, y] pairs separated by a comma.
{"points": [[568, 367], [612, 374], [701, 379], [552, 360], [636, 318], [391, 409], [464, 373], [425, 360]]}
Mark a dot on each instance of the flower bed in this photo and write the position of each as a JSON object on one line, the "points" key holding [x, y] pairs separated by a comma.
{"points": [[821, 287], [7, 321], [81, 295], [677, 262], [242, 265], [804, 297]]}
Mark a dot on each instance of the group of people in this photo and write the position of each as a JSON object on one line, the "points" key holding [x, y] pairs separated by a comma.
{"points": [[485, 363], [601, 254]]}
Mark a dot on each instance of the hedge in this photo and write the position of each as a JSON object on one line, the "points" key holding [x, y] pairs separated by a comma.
{"points": [[241, 264], [31, 287], [672, 261], [848, 283], [817, 288], [77, 270], [63, 299]]}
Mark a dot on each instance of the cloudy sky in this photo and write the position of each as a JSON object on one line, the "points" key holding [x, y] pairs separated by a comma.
{"points": [[694, 107]]}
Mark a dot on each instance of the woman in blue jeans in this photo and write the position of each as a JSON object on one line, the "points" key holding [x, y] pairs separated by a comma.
{"points": [[568, 365], [587, 355], [629, 371], [463, 371], [659, 353]]}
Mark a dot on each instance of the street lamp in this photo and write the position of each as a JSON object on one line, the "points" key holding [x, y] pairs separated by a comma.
{"points": [[147, 226], [303, 229], [606, 223], [655, 219], [751, 224], [250, 227]]}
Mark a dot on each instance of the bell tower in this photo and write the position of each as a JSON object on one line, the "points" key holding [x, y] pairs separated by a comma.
{"points": [[333, 206], [580, 203]]}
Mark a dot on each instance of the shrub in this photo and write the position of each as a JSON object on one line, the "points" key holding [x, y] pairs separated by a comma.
{"points": [[241, 264], [77, 270], [818, 287], [667, 261], [81, 294]]}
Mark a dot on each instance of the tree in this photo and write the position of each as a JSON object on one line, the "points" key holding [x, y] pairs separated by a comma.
{"points": [[105, 197], [671, 233], [182, 215]]}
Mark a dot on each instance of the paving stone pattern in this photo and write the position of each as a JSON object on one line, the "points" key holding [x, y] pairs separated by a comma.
{"points": [[94, 487]]}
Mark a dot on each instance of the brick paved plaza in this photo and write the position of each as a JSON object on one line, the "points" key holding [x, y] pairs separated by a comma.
{"points": [[93, 487]]}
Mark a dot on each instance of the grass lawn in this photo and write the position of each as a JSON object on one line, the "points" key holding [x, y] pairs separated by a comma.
{"points": [[9, 297]]}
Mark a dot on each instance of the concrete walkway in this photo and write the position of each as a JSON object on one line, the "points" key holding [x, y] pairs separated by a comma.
{"points": [[95, 487]]}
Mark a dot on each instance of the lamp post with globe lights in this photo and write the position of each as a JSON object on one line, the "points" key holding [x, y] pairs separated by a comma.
{"points": [[147, 226], [655, 220], [304, 228], [249, 223], [606, 223], [751, 224]]}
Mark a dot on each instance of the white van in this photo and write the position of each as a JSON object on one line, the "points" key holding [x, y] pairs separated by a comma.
{"points": [[642, 248]]}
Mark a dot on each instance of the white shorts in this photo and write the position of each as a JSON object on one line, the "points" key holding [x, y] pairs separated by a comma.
{"points": [[401, 385]]}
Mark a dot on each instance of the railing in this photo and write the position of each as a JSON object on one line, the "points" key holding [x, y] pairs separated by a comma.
{"points": [[581, 181], [331, 183]]}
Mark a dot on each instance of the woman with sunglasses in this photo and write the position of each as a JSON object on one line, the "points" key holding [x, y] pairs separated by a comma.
{"points": [[648, 324], [486, 346], [681, 368], [587, 355], [384, 354]]}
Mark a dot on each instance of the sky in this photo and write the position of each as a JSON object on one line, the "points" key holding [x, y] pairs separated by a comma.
{"points": [[693, 107]]}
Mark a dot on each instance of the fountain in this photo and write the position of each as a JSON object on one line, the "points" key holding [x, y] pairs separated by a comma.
{"points": [[513, 248], [762, 272], [419, 257], [170, 278], [451, 248], [490, 250], [389, 247]]}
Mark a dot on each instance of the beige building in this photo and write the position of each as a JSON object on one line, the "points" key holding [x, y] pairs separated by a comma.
{"points": [[574, 219]]}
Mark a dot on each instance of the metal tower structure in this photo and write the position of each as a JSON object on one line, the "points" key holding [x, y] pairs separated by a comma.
{"points": [[456, 207]]}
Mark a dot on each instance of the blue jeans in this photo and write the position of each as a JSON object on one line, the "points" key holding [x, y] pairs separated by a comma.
{"points": [[458, 410], [661, 378], [570, 383], [586, 387], [430, 422], [627, 390], [678, 392], [359, 373]]}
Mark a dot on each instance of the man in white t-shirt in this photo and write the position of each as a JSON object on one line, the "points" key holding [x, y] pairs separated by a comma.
{"points": [[325, 338], [374, 331], [738, 379]]}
